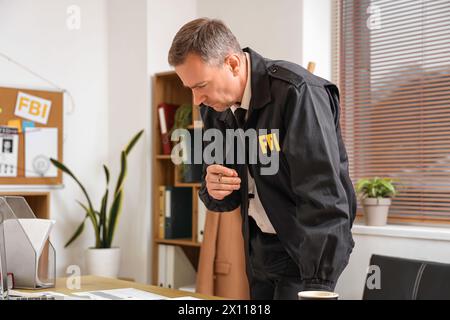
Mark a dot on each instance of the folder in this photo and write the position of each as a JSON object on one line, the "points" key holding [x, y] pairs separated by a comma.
{"points": [[178, 212], [162, 265], [161, 213], [201, 219], [174, 268]]}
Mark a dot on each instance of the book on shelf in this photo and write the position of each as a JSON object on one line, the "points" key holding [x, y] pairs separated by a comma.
{"points": [[166, 115]]}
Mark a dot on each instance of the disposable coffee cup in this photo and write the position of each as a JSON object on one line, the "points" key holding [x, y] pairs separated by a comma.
{"points": [[317, 295]]}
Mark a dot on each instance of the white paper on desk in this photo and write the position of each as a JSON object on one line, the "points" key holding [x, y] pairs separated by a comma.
{"points": [[41, 144], [184, 298], [120, 294], [28, 294]]}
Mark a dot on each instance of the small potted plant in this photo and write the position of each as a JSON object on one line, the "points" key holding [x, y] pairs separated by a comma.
{"points": [[102, 259], [375, 195], [187, 172]]}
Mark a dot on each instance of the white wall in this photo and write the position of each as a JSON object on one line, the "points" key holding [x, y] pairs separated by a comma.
{"points": [[272, 28], [128, 112], [165, 18], [316, 35], [35, 34], [294, 30]]}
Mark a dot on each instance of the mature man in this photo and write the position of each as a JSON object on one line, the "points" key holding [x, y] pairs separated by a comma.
{"points": [[297, 220]]}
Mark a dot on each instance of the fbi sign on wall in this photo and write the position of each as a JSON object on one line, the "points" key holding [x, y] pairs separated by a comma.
{"points": [[32, 108]]}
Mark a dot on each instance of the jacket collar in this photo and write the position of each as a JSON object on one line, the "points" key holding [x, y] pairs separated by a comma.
{"points": [[260, 85], [260, 81]]}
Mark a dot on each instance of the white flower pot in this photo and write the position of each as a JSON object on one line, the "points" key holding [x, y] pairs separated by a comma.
{"points": [[103, 262], [376, 211]]}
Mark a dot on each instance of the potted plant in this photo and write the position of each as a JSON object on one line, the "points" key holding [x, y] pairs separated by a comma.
{"points": [[375, 194], [102, 259], [188, 172]]}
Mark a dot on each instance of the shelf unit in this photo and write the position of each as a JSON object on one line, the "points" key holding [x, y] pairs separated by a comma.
{"points": [[39, 202], [167, 87]]}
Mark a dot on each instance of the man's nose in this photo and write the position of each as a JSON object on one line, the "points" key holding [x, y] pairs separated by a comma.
{"points": [[198, 98]]}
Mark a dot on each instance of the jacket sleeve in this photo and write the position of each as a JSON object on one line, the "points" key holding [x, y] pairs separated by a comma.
{"points": [[322, 211], [230, 202]]}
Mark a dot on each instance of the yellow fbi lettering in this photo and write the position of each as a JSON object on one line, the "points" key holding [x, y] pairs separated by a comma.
{"points": [[268, 140]]}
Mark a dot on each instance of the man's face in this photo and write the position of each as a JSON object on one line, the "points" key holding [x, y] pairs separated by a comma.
{"points": [[214, 86]]}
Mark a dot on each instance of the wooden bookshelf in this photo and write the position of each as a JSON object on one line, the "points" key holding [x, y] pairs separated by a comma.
{"points": [[162, 157], [179, 242], [168, 88]]}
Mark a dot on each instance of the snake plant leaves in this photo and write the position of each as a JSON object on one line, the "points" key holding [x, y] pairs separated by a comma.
{"points": [[133, 141], [66, 170], [113, 216]]}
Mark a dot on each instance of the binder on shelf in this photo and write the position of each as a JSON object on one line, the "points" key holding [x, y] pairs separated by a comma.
{"points": [[175, 270], [29, 254], [178, 212], [166, 115], [161, 213], [201, 219], [162, 265]]}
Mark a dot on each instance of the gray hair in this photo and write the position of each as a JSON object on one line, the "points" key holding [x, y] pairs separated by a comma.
{"points": [[211, 39]]}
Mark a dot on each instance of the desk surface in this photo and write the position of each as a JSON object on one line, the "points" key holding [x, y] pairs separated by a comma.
{"points": [[93, 283]]}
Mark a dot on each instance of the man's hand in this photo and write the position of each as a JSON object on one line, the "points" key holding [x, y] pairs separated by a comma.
{"points": [[221, 181]]}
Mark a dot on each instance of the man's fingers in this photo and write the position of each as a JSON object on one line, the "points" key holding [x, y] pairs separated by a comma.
{"points": [[221, 181], [214, 178], [217, 168], [221, 186]]}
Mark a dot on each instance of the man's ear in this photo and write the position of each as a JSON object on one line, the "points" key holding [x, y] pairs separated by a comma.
{"points": [[233, 61]]}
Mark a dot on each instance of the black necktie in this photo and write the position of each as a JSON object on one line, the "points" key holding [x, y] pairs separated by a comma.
{"points": [[239, 114]]}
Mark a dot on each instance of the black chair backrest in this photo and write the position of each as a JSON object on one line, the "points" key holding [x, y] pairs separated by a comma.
{"points": [[407, 279]]}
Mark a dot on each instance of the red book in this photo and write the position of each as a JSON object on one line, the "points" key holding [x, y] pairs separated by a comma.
{"points": [[166, 115]]}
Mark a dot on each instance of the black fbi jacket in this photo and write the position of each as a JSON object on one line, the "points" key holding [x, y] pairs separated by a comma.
{"points": [[310, 201]]}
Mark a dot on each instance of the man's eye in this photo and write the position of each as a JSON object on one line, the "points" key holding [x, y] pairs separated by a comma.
{"points": [[202, 86]]}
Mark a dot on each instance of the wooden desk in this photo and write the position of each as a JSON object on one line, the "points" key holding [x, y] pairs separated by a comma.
{"points": [[93, 283]]}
